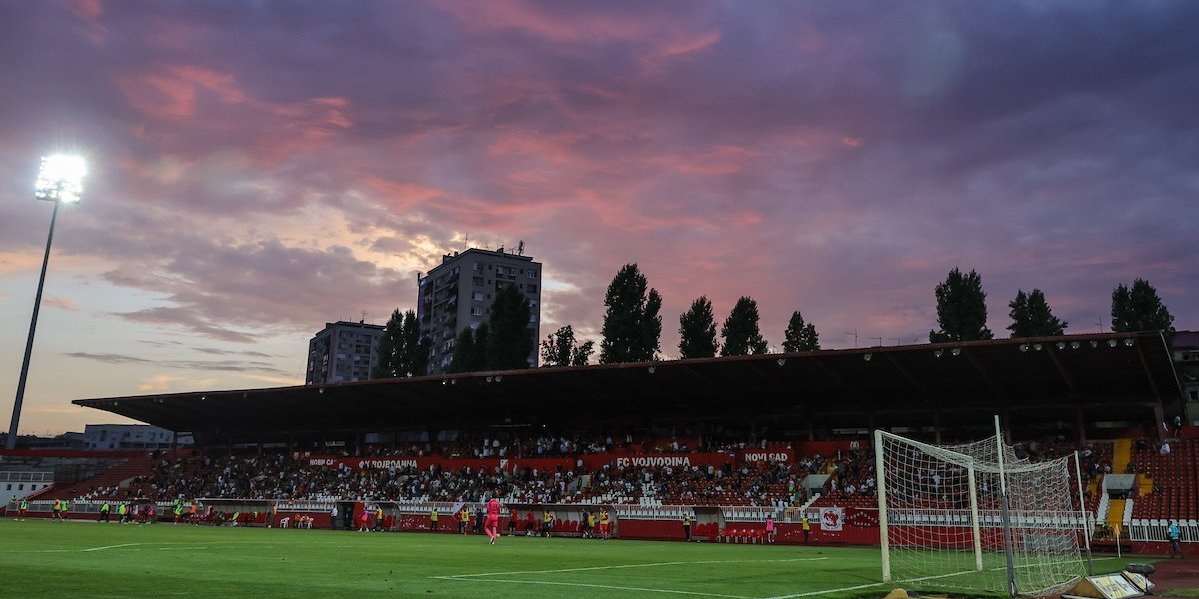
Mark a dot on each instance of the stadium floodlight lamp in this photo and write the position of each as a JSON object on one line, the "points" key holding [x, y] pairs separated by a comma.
{"points": [[938, 353], [782, 361], [1075, 345], [1023, 347], [867, 357], [498, 378], [1111, 343], [1094, 344], [1037, 346], [1128, 342], [1061, 345], [957, 351], [60, 179], [652, 369]]}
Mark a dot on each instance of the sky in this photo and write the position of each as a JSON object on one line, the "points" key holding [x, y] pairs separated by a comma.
{"points": [[258, 169]]}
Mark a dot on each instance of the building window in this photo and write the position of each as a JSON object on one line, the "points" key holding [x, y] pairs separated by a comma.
{"points": [[532, 274], [512, 270], [476, 311], [477, 296], [1194, 395], [533, 317]]}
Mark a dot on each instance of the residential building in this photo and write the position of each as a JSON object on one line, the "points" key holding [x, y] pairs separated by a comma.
{"points": [[130, 436], [343, 352], [1185, 348], [458, 293]]}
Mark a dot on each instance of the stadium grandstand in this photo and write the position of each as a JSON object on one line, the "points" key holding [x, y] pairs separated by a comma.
{"points": [[726, 442]]}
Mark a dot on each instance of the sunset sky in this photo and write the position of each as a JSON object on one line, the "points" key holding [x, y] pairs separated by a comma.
{"points": [[261, 168]]}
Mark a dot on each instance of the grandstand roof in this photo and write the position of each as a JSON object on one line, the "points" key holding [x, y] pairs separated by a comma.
{"points": [[1111, 376]]}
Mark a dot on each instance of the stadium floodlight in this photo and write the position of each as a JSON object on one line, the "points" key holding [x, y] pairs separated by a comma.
{"points": [[60, 180], [1128, 342]]}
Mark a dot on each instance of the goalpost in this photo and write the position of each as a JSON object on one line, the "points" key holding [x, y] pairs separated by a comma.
{"points": [[974, 517]]}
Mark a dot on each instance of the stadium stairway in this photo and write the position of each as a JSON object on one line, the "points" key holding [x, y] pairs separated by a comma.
{"points": [[1115, 513], [1121, 455]]}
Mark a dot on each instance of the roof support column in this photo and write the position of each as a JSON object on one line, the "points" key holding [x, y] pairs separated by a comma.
{"points": [[811, 424], [1159, 420], [937, 425], [1080, 422]]}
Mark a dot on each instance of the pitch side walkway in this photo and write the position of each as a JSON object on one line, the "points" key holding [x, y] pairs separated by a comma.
{"points": [[1177, 575]]}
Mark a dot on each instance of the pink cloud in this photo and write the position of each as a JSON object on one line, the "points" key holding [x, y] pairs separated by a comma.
{"points": [[169, 92], [520, 15], [86, 9], [61, 303]]}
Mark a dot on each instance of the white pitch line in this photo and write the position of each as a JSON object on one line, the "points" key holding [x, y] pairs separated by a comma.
{"points": [[593, 586], [112, 546], [898, 582], [621, 566], [866, 586]]}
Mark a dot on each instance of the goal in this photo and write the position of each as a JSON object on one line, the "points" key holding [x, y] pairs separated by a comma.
{"points": [[974, 517]]}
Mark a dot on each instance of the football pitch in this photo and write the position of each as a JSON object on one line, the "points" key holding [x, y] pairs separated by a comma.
{"points": [[86, 559]]}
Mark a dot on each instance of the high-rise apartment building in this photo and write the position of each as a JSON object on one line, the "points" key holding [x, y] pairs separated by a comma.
{"points": [[343, 352], [458, 293]]}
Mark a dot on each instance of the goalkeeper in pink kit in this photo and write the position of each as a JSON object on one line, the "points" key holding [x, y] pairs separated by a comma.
{"points": [[492, 525]]}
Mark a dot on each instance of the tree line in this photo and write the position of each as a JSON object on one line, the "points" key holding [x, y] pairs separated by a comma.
{"points": [[632, 326], [962, 311]]}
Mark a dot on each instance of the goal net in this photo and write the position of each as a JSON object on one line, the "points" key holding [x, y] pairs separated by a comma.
{"points": [[945, 523]]}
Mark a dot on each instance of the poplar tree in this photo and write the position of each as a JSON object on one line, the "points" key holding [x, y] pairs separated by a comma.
{"points": [[740, 331], [1140, 309], [632, 326], [1032, 317], [697, 330], [800, 336], [961, 309]]}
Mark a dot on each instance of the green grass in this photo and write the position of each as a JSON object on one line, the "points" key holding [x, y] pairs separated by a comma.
{"points": [[85, 559]]}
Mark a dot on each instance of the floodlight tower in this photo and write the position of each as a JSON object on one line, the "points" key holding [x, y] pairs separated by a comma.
{"points": [[60, 180]]}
